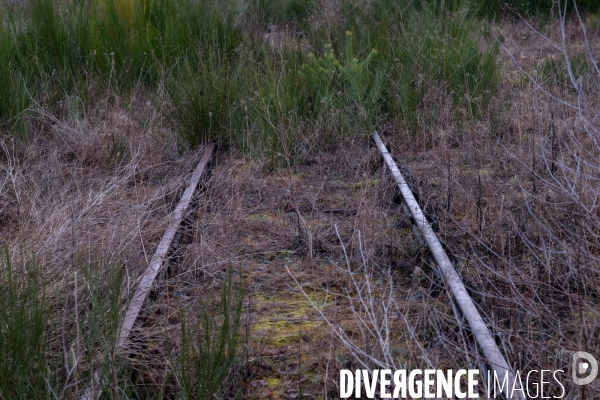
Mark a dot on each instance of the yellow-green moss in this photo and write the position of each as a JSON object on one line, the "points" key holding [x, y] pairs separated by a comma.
{"points": [[365, 184], [283, 323]]}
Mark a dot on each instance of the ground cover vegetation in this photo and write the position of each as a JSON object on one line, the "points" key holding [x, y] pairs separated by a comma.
{"points": [[104, 105]]}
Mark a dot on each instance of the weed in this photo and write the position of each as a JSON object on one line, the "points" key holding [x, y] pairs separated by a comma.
{"points": [[273, 11], [349, 85], [34, 326], [13, 98], [553, 71]]}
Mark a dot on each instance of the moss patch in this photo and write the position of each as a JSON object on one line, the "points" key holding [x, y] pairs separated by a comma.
{"points": [[284, 319]]}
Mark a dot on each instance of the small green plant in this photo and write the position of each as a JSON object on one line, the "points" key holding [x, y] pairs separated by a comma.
{"points": [[495, 9], [96, 322], [276, 108], [51, 344], [209, 346], [51, 49], [201, 98], [299, 93], [277, 11], [13, 98], [553, 71], [351, 86]]}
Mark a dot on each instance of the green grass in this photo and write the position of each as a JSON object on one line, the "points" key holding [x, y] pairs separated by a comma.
{"points": [[279, 80], [441, 53], [57, 48], [225, 82], [282, 12], [50, 336], [23, 335], [54, 337], [209, 348]]}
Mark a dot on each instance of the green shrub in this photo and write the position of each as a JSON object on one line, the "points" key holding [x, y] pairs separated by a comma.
{"points": [[278, 11], [95, 324], [351, 86], [53, 49], [278, 109], [40, 320], [13, 96], [495, 9], [303, 101], [201, 94], [554, 71]]}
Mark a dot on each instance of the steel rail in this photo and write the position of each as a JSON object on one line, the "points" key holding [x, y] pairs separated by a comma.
{"points": [[147, 280], [454, 284]]}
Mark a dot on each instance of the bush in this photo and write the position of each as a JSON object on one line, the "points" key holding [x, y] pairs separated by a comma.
{"points": [[353, 87], [55, 48], [13, 98], [51, 338], [495, 9], [201, 95]]}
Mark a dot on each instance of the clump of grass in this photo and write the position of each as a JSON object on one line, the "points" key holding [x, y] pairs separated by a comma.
{"points": [[552, 71], [298, 93], [441, 52], [274, 11], [13, 98], [350, 85], [331, 81], [495, 9], [278, 110], [24, 320], [201, 97], [59, 345], [209, 346], [95, 329], [54, 48], [34, 327], [51, 344]]}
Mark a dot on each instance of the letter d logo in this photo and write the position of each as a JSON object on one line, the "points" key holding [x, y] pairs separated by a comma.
{"points": [[584, 364]]}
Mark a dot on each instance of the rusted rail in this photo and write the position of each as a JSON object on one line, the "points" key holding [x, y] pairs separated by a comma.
{"points": [[454, 285], [147, 280]]}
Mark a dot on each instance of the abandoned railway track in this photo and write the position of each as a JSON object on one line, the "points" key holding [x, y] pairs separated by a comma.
{"points": [[270, 231]]}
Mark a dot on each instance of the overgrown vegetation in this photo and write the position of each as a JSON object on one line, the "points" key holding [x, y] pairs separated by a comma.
{"points": [[100, 94], [259, 88], [54, 337], [209, 347]]}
